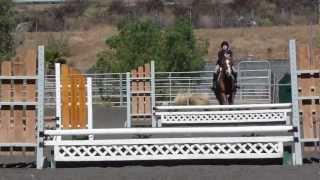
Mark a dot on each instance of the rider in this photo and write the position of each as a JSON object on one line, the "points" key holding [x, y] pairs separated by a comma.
{"points": [[225, 52]]}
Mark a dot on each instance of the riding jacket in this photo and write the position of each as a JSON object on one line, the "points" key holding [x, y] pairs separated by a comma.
{"points": [[221, 54]]}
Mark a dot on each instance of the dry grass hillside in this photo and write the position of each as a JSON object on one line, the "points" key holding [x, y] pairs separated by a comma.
{"points": [[260, 42]]}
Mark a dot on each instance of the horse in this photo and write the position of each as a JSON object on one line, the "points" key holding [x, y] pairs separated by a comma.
{"points": [[226, 86]]}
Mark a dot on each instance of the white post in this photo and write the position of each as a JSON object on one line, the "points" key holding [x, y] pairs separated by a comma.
{"points": [[58, 97], [89, 105], [153, 93], [40, 109], [128, 86], [297, 155]]}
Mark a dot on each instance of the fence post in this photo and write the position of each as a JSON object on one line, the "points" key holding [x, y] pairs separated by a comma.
{"points": [[128, 85], [89, 105], [297, 156], [40, 108], [170, 90], [121, 93], [153, 93]]}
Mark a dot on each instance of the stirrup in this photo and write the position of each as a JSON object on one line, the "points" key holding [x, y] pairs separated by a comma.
{"points": [[214, 86]]}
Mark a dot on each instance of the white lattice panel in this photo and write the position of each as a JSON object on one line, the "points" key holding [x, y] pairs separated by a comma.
{"points": [[166, 149], [177, 117]]}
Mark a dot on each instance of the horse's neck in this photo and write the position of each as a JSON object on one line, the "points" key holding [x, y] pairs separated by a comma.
{"points": [[221, 80]]}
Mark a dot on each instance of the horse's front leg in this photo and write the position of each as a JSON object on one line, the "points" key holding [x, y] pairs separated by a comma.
{"points": [[231, 99], [224, 99]]}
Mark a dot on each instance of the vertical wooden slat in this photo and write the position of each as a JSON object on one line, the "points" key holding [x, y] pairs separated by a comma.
{"points": [[147, 88], [134, 96], [306, 85], [5, 95], [4, 124], [30, 61], [307, 121], [303, 57], [6, 132], [74, 119], [5, 86], [78, 100], [30, 125], [18, 124], [82, 102], [141, 109], [18, 70], [65, 95], [317, 59]]}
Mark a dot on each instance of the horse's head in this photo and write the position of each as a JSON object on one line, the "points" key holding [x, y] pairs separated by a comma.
{"points": [[226, 67]]}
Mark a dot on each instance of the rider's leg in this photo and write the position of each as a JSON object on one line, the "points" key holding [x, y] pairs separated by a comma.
{"points": [[215, 77], [235, 74]]}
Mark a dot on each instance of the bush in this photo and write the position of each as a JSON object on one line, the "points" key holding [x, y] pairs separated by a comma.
{"points": [[56, 48], [265, 22], [7, 23], [181, 52], [139, 42]]}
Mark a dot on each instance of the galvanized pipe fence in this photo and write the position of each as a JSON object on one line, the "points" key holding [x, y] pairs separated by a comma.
{"points": [[110, 88]]}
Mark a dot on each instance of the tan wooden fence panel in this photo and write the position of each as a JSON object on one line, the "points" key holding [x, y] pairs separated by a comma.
{"points": [[18, 122], [73, 98], [141, 97], [309, 85]]}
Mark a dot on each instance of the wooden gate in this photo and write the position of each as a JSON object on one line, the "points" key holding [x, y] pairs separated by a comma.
{"points": [[309, 91], [18, 104], [73, 88], [140, 92]]}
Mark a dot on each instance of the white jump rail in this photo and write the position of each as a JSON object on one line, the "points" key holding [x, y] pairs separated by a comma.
{"points": [[170, 130], [170, 149], [177, 148], [215, 114]]}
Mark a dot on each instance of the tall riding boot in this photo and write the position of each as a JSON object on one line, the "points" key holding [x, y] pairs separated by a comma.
{"points": [[214, 82], [235, 74]]}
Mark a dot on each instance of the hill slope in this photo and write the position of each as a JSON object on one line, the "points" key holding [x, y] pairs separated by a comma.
{"points": [[260, 42]]}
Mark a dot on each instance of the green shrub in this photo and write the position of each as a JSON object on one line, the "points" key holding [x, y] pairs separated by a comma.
{"points": [[7, 23], [141, 41], [56, 48]]}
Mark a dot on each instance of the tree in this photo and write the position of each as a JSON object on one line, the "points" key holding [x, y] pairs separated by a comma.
{"points": [[181, 52], [140, 41], [7, 23]]}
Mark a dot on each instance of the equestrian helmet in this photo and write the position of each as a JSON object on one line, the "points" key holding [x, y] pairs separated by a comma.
{"points": [[224, 43]]}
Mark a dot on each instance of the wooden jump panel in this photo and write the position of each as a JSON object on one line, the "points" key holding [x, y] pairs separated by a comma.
{"points": [[309, 85], [18, 123], [73, 98], [141, 101]]}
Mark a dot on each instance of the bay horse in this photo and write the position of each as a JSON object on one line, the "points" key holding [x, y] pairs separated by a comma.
{"points": [[226, 86]]}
